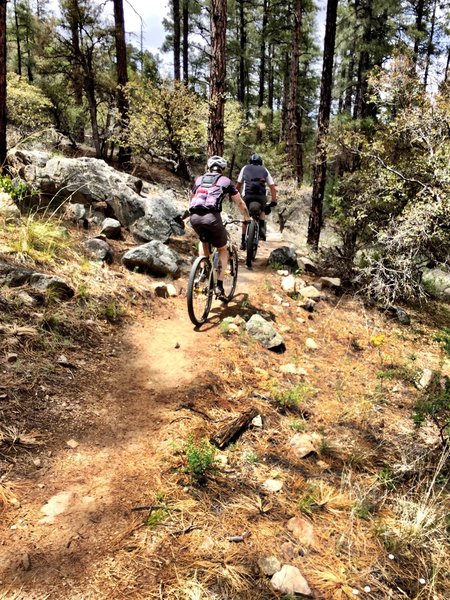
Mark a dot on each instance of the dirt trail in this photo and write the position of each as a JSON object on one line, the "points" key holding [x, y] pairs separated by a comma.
{"points": [[72, 515]]}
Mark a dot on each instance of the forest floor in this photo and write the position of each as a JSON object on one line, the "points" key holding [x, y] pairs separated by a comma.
{"points": [[98, 497]]}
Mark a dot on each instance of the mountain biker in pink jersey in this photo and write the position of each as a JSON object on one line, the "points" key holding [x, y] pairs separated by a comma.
{"points": [[205, 207]]}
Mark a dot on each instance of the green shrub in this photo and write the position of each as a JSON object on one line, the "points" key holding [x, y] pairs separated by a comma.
{"points": [[200, 459], [16, 188]]}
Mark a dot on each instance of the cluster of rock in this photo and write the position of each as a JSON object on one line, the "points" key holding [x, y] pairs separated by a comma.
{"points": [[261, 326], [93, 193]]}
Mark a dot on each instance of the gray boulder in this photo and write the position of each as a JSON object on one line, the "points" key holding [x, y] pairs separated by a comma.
{"points": [[93, 183], [284, 256], [8, 208], [154, 258], [437, 283], [99, 250], [84, 180], [49, 284], [265, 333], [52, 285], [161, 220], [111, 229]]}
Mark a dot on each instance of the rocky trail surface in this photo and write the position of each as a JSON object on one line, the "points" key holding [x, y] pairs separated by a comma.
{"points": [[110, 494], [71, 516]]}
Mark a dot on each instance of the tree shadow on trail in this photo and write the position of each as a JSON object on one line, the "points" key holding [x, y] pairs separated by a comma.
{"points": [[239, 306]]}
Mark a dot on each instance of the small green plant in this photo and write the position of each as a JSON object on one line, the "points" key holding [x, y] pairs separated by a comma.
{"points": [[156, 517], [363, 510], [294, 396], [16, 188], [251, 458], [112, 311], [276, 266], [200, 459], [297, 424], [326, 448], [387, 478], [307, 504]]}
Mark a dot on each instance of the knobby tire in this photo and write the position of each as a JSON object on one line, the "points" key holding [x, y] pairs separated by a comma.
{"points": [[230, 278], [200, 290], [252, 243]]}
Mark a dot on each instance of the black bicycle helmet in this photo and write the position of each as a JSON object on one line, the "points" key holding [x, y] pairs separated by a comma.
{"points": [[255, 159]]}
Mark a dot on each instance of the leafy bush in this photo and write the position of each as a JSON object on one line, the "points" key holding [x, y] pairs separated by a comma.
{"points": [[167, 122], [392, 207], [28, 107]]}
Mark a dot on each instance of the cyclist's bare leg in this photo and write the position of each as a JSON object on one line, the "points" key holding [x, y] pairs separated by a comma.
{"points": [[203, 249], [223, 258]]}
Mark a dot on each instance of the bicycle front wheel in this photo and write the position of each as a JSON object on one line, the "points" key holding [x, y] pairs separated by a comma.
{"points": [[252, 243], [199, 290], [231, 274]]}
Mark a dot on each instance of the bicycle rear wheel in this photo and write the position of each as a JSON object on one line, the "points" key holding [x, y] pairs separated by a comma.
{"points": [[231, 274], [199, 290], [251, 243]]}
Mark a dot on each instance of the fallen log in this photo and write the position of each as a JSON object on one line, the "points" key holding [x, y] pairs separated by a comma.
{"points": [[229, 432]]}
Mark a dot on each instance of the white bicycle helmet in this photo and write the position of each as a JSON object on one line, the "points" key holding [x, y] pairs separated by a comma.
{"points": [[218, 162]]}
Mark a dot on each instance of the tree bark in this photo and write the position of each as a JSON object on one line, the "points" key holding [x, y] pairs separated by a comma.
{"points": [[19, 50], [242, 49], [262, 60], [320, 163], [124, 154], [3, 147], [186, 42], [430, 46], [419, 27], [176, 39], [217, 78], [293, 140]]}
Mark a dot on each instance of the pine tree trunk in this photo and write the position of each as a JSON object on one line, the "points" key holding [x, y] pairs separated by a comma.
{"points": [[320, 163], [262, 60], [19, 50], [217, 78], [419, 27], [186, 42], [3, 147], [242, 48], [430, 46], [122, 78], [176, 39], [293, 133]]}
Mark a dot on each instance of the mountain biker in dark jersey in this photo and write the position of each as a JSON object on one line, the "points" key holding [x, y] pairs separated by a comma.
{"points": [[254, 177], [205, 207]]}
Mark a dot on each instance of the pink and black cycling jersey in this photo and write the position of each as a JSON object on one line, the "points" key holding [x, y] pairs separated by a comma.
{"points": [[209, 191]]}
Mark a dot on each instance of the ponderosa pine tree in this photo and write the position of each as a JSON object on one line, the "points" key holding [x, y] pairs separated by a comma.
{"points": [[293, 129], [217, 78], [320, 162], [124, 154], [3, 146]]}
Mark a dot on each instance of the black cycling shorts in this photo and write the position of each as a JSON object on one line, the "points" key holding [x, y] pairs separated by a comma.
{"points": [[255, 204], [209, 228]]}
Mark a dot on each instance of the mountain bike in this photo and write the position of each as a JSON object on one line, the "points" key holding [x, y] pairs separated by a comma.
{"points": [[203, 280], [252, 233]]}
